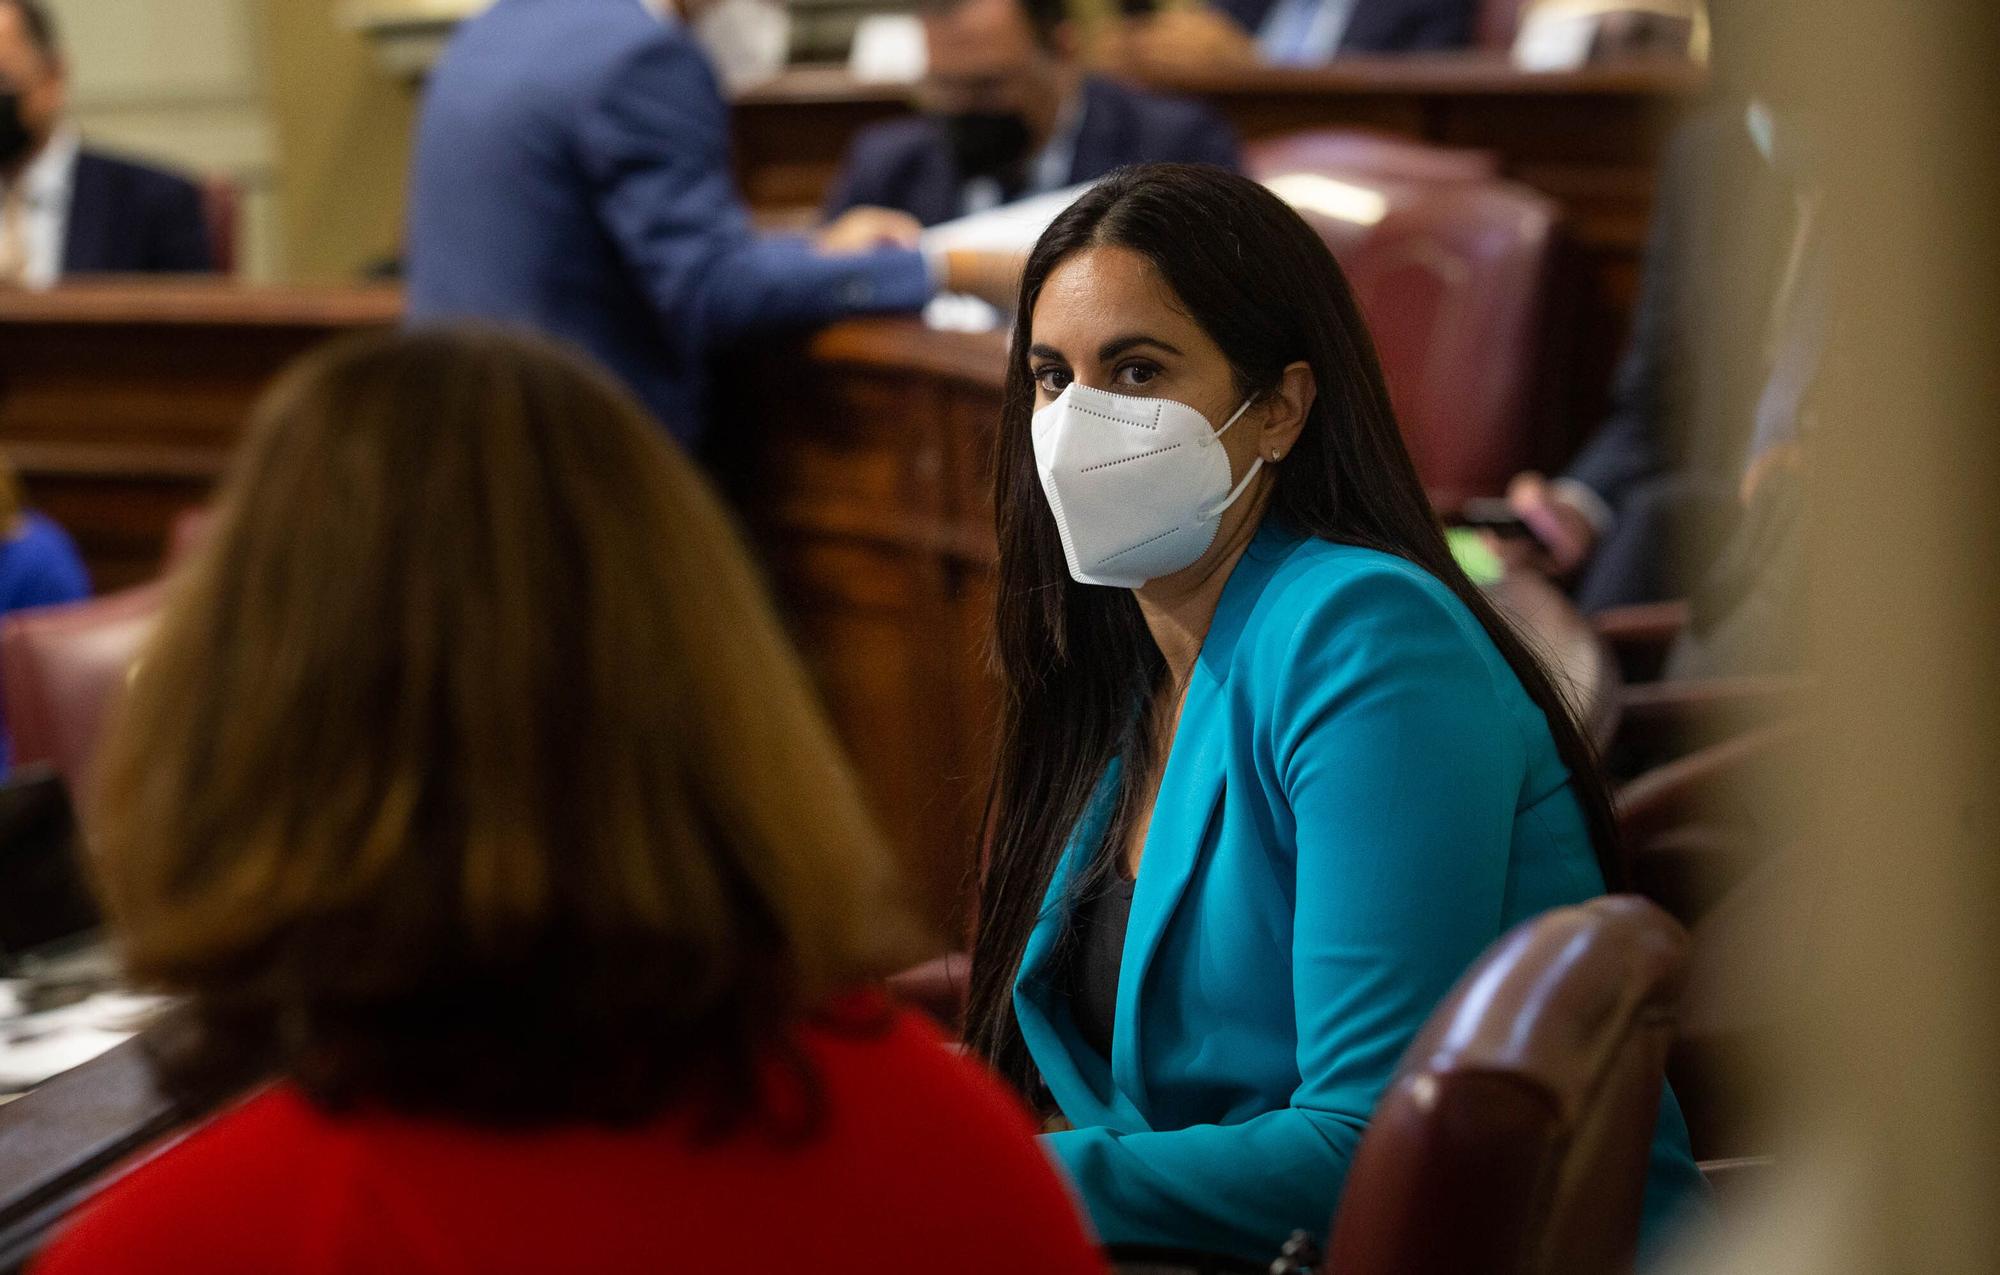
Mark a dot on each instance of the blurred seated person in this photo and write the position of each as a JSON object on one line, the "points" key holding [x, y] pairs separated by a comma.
{"points": [[1237, 33], [39, 565], [66, 209], [1724, 346], [470, 786], [1009, 113], [572, 175]]}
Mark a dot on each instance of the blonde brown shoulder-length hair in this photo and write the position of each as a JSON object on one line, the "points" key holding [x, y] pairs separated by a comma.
{"points": [[469, 771]]}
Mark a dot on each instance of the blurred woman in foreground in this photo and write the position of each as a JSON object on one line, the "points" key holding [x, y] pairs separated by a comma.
{"points": [[471, 787]]}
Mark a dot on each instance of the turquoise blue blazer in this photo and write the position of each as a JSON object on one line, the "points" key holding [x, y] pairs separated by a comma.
{"points": [[1359, 800]]}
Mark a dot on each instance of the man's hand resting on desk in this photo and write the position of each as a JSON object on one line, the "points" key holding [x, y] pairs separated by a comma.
{"points": [[993, 277], [866, 229]]}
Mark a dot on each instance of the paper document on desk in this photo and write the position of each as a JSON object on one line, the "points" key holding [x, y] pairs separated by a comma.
{"points": [[1009, 228]]}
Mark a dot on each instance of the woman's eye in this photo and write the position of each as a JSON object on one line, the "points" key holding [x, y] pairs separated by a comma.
{"points": [[1053, 380], [1137, 374]]}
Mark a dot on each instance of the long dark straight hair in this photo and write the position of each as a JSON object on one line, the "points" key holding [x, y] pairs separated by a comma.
{"points": [[1076, 661]]}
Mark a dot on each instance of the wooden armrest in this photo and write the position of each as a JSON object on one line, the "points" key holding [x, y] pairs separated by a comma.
{"points": [[1659, 720], [938, 988], [1687, 790], [1647, 624], [1640, 636]]}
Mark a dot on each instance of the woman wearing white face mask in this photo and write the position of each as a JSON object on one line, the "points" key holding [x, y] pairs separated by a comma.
{"points": [[1272, 773]]}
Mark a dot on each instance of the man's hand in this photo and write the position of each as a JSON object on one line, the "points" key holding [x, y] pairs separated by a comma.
{"points": [[993, 277], [1563, 537], [866, 229]]}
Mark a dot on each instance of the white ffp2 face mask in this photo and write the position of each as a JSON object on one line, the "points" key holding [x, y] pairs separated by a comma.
{"points": [[1137, 485]]}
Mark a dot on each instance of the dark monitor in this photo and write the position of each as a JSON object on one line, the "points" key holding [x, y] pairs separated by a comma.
{"points": [[45, 898]]}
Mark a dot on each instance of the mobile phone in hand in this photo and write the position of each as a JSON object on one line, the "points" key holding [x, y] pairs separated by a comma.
{"points": [[1494, 514]]}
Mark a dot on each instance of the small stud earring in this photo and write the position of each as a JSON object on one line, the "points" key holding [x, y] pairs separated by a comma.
{"points": [[1276, 454]]}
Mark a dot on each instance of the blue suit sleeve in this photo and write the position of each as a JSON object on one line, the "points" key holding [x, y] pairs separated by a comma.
{"points": [[42, 567], [1400, 769], [655, 148]]}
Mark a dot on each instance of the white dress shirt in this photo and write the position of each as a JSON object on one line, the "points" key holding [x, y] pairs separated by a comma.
{"points": [[1304, 32], [45, 186]]}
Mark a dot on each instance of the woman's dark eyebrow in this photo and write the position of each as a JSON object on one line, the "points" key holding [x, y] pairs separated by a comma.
{"points": [[1118, 345], [1046, 352]]}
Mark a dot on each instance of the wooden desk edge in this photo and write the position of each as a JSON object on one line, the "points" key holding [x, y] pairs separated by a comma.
{"points": [[1467, 73], [902, 342], [198, 301]]}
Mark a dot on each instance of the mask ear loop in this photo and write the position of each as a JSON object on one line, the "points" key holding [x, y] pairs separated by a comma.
{"points": [[1256, 464]]}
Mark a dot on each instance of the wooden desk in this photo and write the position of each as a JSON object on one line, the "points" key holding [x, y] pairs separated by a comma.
{"points": [[58, 1142], [120, 401]]}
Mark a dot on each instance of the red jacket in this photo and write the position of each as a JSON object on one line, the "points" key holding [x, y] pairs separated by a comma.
{"points": [[923, 1164]]}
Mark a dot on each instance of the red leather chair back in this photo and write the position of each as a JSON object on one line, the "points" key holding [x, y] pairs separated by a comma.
{"points": [[1360, 153], [222, 210], [1514, 1138], [62, 669], [187, 533], [1452, 276]]}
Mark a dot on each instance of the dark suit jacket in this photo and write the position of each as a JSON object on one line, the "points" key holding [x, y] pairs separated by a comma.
{"points": [[906, 163], [1384, 26], [1684, 397], [572, 176], [126, 218]]}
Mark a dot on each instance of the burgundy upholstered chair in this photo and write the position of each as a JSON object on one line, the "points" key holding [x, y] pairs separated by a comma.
{"points": [[1365, 153], [1514, 1138], [62, 669], [1452, 277]]}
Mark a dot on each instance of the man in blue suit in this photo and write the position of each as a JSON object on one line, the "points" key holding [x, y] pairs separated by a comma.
{"points": [[1298, 32], [1009, 114], [572, 175], [66, 209]]}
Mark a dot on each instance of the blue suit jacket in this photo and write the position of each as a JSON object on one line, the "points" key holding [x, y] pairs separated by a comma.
{"points": [[1384, 26], [572, 175], [907, 164], [127, 218], [1359, 800]]}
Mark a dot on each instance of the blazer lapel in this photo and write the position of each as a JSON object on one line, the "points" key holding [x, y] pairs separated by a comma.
{"points": [[87, 234], [937, 197], [1074, 1074], [1101, 135], [1191, 791]]}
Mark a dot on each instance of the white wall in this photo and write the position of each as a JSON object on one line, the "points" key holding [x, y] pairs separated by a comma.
{"points": [[183, 82]]}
